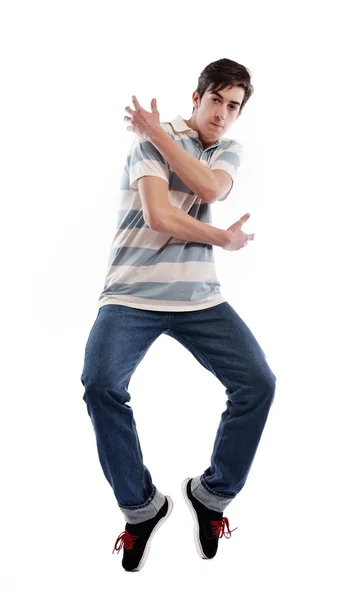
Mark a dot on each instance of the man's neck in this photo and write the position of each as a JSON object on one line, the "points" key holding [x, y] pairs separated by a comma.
{"points": [[193, 126]]}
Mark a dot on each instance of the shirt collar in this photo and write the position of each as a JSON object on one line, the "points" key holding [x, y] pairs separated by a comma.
{"points": [[180, 126]]}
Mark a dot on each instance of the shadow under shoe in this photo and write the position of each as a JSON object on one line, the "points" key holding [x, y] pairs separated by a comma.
{"points": [[136, 539], [209, 524]]}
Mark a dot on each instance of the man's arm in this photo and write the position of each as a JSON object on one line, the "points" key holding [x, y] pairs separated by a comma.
{"points": [[198, 178], [159, 214], [225, 182]]}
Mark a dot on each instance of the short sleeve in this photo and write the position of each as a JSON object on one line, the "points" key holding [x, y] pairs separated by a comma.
{"points": [[145, 159], [228, 159]]}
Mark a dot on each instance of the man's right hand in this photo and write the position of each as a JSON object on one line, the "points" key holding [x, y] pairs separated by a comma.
{"points": [[237, 238]]}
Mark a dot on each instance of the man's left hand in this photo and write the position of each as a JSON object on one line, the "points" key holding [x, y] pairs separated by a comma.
{"points": [[143, 123]]}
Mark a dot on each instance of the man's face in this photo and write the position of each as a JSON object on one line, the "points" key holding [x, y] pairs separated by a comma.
{"points": [[216, 112]]}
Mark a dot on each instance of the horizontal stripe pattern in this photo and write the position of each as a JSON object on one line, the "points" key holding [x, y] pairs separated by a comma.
{"points": [[125, 238], [186, 291], [173, 254], [129, 219], [149, 268], [163, 273], [160, 305], [131, 200]]}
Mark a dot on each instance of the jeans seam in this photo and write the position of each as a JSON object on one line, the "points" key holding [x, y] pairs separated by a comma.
{"points": [[227, 383], [224, 422]]}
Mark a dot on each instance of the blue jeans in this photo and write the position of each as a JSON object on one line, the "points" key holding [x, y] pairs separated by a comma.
{"points": [[221, 342]]}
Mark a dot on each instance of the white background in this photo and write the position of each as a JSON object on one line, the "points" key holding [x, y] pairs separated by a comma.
{"points": [[68, 69]]}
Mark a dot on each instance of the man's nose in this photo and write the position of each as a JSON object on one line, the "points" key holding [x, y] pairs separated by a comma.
{"points": [[221, 114]]}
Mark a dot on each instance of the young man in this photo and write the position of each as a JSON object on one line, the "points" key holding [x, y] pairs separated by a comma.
{"points": [[162, 279]]}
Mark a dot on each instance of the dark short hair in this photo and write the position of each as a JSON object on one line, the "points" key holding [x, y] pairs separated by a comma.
{"points": [[225, 73]]}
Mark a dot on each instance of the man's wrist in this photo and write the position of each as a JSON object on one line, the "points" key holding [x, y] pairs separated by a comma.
{"points": [[225, 239], [157, 135]]}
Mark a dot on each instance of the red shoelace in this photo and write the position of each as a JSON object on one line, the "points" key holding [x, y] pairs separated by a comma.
{"points": [[219, 528], [125, 539]]}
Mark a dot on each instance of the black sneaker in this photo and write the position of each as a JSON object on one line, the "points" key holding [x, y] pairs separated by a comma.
{"points": [[136, 539], [209, 524]]}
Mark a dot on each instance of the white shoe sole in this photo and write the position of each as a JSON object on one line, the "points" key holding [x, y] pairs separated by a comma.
{"points": [[194, 515], [148, 545]]}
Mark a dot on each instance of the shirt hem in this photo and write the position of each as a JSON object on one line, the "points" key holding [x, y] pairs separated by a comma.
{"points": [[166, 307]]}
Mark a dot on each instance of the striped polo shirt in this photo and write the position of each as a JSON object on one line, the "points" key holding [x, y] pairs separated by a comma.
{"points": [[152, 270]]}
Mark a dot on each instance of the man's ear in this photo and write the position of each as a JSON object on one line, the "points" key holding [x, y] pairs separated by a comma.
{"points": [[195, 99]]}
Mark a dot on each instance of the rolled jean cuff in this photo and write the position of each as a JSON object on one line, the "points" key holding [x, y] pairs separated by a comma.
{"points": [[146, 511], [211, 500]]}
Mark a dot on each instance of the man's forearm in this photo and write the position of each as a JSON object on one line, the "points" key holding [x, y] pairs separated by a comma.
{"points": [[191, 171], [181, 225]]}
